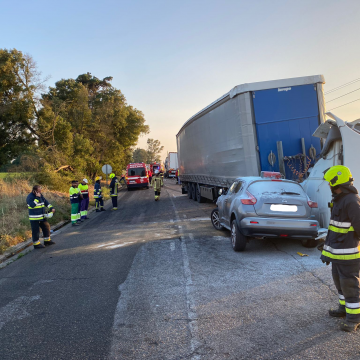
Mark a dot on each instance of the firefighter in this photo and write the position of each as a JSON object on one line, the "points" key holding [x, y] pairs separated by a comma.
{"points": [[99, 202], [114, 190], [341, 246], [157, 182], [37, 206], [84, 204], [75, 198]]}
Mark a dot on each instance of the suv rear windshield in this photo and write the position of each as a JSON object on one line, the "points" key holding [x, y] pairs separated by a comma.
{"points": [[275, 187], [137, 172]]}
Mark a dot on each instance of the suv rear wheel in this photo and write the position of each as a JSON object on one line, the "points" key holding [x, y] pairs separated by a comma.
{"points": [[238, 240], [309, 243], [215, 219]]}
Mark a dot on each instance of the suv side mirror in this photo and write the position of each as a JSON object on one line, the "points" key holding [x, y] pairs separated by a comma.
{"points": [[220, 192]]}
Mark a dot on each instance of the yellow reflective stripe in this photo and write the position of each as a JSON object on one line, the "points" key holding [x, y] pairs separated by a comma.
{"points": [[340, 230], [342, 302], [38, 218], [352, 311], [341, 257], [36, 243]]}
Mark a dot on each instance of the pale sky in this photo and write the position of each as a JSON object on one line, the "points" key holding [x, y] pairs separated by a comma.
{"points": [[172, 58]]}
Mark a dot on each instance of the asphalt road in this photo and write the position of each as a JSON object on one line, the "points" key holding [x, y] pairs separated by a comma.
{"points": [[154, 280]]}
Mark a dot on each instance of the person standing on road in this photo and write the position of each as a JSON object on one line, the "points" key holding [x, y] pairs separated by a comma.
{"points": [[341, 246], [37, 204], [99, 202], [157, 182], [75, 198], [114, 190], [84, 204]]}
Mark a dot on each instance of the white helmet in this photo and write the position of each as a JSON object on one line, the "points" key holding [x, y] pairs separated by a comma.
{"points": [[49, 215], [156, 172], [85, 181]]}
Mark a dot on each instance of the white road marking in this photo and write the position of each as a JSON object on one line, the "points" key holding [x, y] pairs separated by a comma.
{"points": [[112, 243], [190, 302], [16, 309], [172, 246], [118, 245], [200, 219], [191, 308]]}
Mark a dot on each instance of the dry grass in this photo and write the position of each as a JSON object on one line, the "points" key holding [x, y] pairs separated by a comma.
{"points": [[14, 219]]}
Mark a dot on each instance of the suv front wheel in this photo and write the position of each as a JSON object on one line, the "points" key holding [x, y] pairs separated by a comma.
{"points": [[215, 219], [238, 240]]}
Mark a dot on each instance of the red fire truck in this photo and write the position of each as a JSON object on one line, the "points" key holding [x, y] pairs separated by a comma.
{"points": [[136, 176], [155, 166]]}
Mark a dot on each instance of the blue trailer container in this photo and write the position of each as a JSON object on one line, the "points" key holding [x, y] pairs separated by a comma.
{"points": [[251, 129], [288, 115]]}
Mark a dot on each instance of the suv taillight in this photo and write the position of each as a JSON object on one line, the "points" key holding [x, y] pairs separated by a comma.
{"points": [[251, 200], [312, 204]]}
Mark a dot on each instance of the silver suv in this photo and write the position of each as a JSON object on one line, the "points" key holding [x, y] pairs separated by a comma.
{"points": [[263, 207]]}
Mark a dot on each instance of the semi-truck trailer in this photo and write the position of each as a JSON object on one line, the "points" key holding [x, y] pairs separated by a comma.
{"points": [[262, 126], [171, 164]]}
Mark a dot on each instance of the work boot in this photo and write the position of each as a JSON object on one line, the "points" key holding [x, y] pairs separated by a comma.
{"points": [[102, 209], [75, 224], [39, 246], [113, 209], [97, 210], [86, 218], [349, 326], [49, 242], [337, 312]]}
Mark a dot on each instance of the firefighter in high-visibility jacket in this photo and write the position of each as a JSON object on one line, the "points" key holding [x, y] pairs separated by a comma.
{"points": [[37, 205], [157, 183], [99, 202], [114, 189], [84, 202], [341, 246]]}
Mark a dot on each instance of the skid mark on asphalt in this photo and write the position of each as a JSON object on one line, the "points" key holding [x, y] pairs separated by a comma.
{"points": [[16, 309]]}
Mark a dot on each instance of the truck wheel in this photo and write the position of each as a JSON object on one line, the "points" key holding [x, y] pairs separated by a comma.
{"points": [[309, 243], [193, 191], [199, 198], [238, 240], [215, 219], [189, 190]]}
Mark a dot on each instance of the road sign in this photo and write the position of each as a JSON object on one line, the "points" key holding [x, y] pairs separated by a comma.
{"points": [[106, 169]]}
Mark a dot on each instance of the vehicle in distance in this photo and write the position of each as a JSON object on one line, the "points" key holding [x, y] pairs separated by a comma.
{"points": [[171, 165], [266, 207], [136, 176]]}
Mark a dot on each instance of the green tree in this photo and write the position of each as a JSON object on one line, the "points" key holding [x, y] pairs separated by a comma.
{"points": [[20, 84], [96, 125], [140, 155], [154, 149]]}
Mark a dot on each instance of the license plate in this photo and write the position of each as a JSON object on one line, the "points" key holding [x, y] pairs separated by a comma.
{"points": [[132, 182], [283, 208]]}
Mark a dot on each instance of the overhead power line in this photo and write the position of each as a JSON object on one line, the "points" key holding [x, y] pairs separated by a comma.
{"points": [[341, 86], [344, 95], [343, 105]]}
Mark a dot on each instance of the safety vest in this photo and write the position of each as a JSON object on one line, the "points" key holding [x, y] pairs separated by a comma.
{"points": [[84, 190], [342, 242], [97, 190], [37, 207], [114, 187], [74, 195], [157, 182]]}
